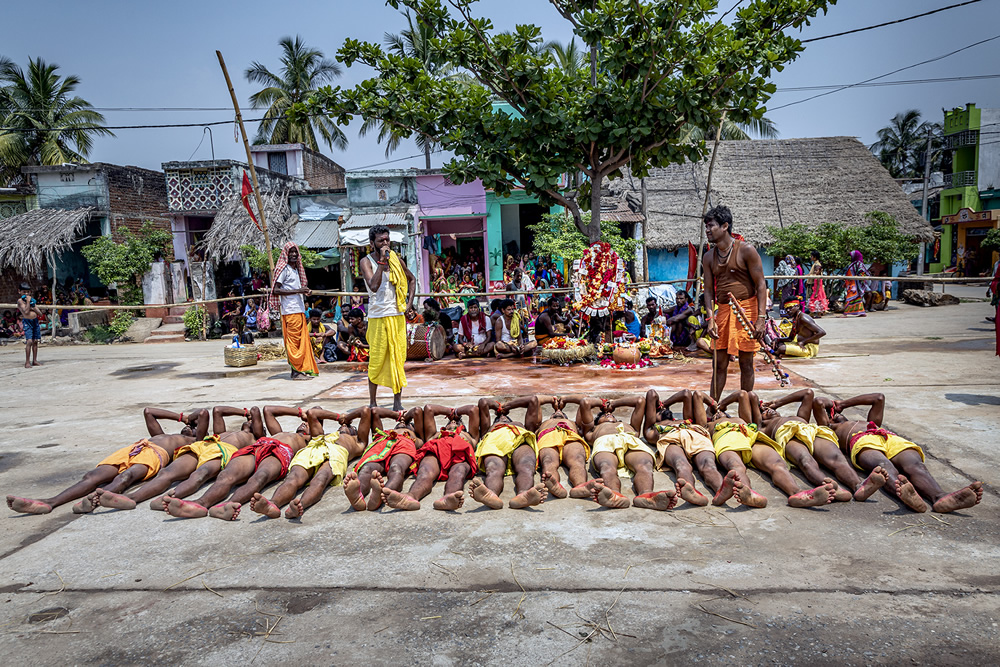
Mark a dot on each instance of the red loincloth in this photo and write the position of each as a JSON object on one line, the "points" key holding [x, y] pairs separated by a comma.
{"points": [[385, 447], [451, 448], [265, 447]]}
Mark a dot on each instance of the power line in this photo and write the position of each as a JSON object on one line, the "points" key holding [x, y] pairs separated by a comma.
{"points": [[880, 76], [879, 84], [882, 25]]}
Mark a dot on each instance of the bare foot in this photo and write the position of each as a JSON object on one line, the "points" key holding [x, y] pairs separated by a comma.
{"points": [[587, 490], [533, 496], [262, 505], [27, 365], [961, 499], [656, 500], [225, 511], [909, 495], [483, 494], [36, 363], [872, 483], [611, 499], [375, 496], [160, 504], [86, 505], [747, 496], [115, 501], [450, 502], [352, 489], [690, 494], [840, 494], [727, 489], [185, 509], [294, 509], [27, 505], [399, 501], [821, 495], [551, 482]]}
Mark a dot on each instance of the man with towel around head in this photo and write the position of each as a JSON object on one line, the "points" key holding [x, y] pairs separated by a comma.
{"points": [[288, 286], [390, 288]]}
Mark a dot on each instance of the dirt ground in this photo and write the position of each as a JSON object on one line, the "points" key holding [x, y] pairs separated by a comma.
{"points": [[566, 583]]}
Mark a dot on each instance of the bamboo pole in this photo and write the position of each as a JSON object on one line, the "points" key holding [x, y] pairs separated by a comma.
{"points": [[704, 207], [253, 171], [55, 313]]}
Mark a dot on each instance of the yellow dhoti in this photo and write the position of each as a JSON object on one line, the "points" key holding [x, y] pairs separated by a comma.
{"points": [[733, 437], [693, 439], [321, 449], [619, 444], [501, 441], [387, 351], [808, 351], [209, 449], [143, 453], [560, 436], [890, 445]]}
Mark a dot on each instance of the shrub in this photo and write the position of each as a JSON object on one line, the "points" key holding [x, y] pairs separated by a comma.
{"points": [[99, 334], [120, 323], [194, 321]]}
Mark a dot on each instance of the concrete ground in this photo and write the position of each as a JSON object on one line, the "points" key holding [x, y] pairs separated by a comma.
{"points": [[567, 583]]}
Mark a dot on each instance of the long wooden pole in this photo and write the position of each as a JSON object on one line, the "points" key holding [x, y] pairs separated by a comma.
{"points": [[253, 172]]}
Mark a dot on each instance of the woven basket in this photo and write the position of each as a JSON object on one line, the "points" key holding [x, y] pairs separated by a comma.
{"points": [[241, 356]]}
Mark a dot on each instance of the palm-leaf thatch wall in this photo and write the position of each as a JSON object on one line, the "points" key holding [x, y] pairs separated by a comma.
{"points": [[232, 226], [830, 179], [27, 239]]}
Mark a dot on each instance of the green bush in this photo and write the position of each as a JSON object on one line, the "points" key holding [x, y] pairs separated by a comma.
{"points": [[194, 321], [257, 258], [124, 263], [557, 236], [99, 334], [120, 323], [992, 241]]}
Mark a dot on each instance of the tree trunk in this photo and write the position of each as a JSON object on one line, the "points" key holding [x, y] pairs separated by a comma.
{"points": [[427, 156], [593, 231]]}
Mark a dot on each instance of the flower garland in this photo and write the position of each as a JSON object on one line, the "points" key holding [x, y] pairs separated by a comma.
{"points": [[608, 363], [599, 280], [563, 343]]}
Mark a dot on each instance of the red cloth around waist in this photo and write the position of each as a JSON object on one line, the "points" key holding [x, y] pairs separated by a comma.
{"points": [[265, 447], [450, 449]]}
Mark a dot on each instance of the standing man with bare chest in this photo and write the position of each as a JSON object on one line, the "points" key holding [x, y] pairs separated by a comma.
{"points": [[732, 267]]}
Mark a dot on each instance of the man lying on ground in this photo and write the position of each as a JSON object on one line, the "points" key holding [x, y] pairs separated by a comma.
{"points": [[807, 446], [508, 448], [870, 447], [679, 443], [618, 451], [253, 467], [320, 464], [391, 453], [765, 455], [803, 341], [732, 447], [448, 456], [193, 464], [560, 443], [127, 466]]}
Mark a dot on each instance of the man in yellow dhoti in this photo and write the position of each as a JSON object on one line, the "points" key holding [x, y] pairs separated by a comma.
{"points": [[680, 443], [508, 448], [390, 286]]}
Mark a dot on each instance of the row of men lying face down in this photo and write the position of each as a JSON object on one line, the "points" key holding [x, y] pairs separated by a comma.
{"points": [[717, 439]]}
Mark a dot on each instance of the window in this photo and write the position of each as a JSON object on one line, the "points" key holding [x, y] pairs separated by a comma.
{"points": [[278, 163]]}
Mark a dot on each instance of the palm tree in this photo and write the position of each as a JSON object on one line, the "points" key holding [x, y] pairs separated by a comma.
{"points": [[46, 123], [902, 142], [763, 128], [303, 71], [567, 58]]}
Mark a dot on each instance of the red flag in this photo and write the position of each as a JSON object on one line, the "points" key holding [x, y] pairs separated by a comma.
{"points": [[692, 266], [245, 197]]}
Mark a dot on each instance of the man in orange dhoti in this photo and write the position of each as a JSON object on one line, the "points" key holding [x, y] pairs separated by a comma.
{"points": [[288, 287]]}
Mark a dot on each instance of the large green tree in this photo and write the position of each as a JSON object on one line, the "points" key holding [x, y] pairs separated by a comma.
{"points": [[654, 67], [303, 71], [45, 122], [902, 144]]}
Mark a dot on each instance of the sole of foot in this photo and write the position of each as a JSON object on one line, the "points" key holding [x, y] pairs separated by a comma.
{"points": [[588, 490], [534, 496], [400, 501], [185, 509], [225, 511], [552, 485], [27, 505], [656, 500], [961, 499], [612, 499], [264, 507], [875, 481], [450, 502], [909, 495], [483, 494], [690, 494], [115, 501]]}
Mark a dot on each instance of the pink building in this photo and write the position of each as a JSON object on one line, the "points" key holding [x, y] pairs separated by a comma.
{"points": [[450, 216]]}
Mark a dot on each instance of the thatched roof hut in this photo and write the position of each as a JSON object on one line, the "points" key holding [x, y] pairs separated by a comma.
{"points": [[828, 179], [27, 239], [232, 226]]}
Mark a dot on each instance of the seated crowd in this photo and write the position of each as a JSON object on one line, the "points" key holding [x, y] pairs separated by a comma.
{"points": [[841, 458]]}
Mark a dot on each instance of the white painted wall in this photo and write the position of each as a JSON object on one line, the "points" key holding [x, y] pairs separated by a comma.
{"points": [[989, 154]]}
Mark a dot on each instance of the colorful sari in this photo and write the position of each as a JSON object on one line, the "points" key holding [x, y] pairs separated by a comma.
{"points": [[855, 298], [818, 303]]}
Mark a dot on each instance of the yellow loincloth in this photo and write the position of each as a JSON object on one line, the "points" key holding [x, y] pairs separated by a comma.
{"points": [[808, 351], [890, 446], [501, 441], [559, 437], [209, 449], [693, 439], [732, 437], [619, 443], [143, 453], [387, 351], [319, 450], [801, 431]]}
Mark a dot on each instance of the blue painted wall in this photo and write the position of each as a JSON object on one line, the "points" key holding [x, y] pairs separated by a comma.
{"points": [[669, 265]]}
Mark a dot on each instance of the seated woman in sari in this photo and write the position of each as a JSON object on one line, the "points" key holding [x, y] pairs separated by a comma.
{"points": [[250, 313], [856, 289]]}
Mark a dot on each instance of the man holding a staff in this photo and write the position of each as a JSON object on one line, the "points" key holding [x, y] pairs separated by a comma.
{"points": [[390, 286]]}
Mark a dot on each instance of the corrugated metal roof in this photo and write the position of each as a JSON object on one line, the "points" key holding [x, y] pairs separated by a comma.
{"points": [[317, 234], [368, 220]]}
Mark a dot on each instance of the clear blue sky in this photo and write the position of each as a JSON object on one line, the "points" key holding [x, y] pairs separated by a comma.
{"points": [[144, 54]]}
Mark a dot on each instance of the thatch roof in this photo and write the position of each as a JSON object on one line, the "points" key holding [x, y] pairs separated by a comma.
{"points": [[232, 226], [26, 240], [829, 179]]}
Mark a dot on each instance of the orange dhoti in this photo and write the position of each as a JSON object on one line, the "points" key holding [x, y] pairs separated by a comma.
{"points": [[733, 337], [297, 345]]}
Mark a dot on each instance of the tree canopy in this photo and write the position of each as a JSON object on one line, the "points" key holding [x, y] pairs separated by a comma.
{"points": [[902, 144], [879, 241], [527, 122], [556, 236]]}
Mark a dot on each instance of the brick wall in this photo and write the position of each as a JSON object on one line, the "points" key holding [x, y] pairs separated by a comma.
{"points": [[135, 196], [321, 171], [9, 282]]}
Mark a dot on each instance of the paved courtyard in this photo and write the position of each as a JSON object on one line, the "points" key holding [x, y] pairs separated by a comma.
{"points": [[567, 583]]}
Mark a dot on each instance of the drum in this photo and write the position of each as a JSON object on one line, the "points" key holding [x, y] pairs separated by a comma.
{"points": [[424, 341]]}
